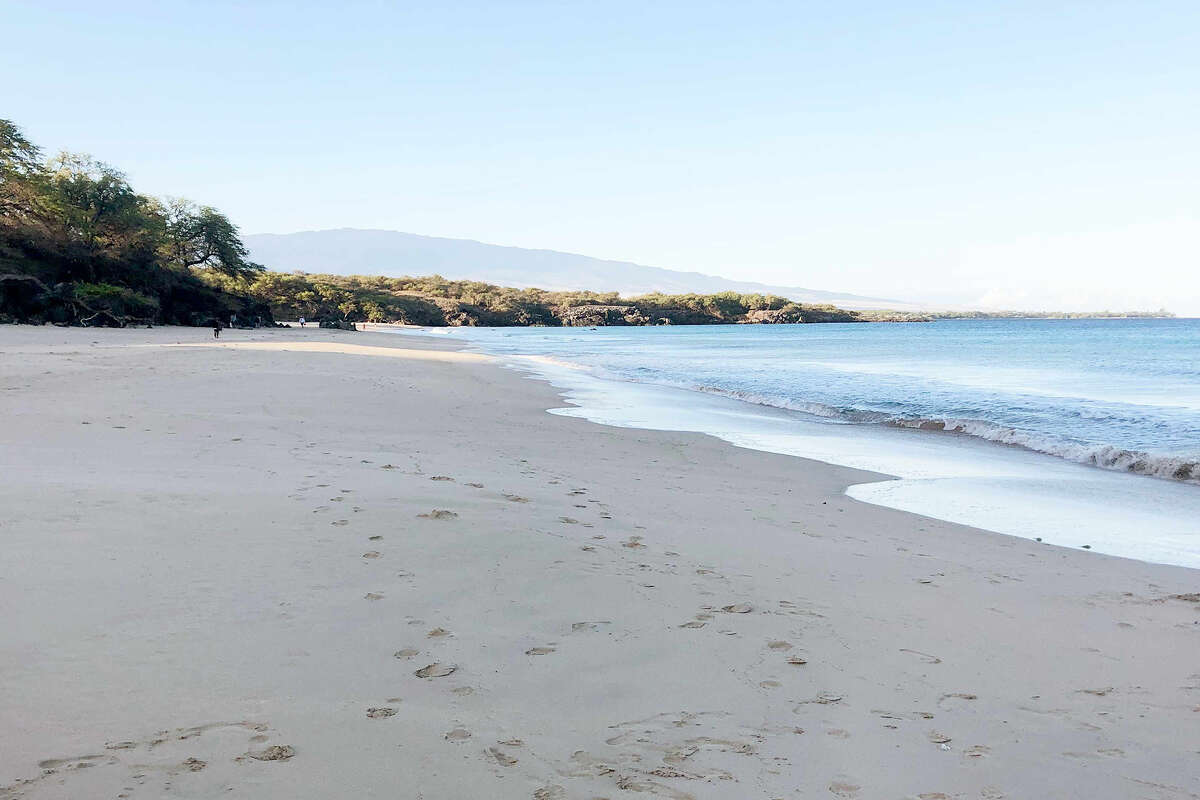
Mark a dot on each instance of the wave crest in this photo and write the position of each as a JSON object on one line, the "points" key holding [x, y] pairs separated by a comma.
{"points": [[1177, 468]]}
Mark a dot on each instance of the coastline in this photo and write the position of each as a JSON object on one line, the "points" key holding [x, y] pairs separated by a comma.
{"points": [[200, 552], [1008, 483]]}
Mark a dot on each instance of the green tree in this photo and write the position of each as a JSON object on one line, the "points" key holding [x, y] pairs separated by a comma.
{"points": [[202, 237]]}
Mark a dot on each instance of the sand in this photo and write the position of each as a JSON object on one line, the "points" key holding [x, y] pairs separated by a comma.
{"points": [[286, 567]]}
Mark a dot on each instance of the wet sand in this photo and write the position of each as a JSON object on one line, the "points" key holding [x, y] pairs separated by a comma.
{"points": [[279, 565]]}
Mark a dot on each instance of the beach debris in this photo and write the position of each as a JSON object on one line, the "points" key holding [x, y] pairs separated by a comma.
{"points": [[374, 538], [738, 608], [539, 651], [926, 657], [1189, 597], [381, 712], [388, 466], [1086, 546], [276, 752], [439, 513], [435, 670]]}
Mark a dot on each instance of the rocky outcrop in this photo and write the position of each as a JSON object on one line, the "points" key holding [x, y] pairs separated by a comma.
{"points": [[594, 316]]}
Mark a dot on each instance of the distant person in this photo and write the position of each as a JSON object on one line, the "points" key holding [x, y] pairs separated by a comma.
{"points": [[216, 329], [233, 320], [302, 322]]}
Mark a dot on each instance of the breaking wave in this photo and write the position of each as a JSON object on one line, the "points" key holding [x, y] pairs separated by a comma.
{"points": [[1105, 456]]}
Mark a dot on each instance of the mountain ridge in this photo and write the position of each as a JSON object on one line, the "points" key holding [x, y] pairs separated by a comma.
{"points": [[373, 251]]}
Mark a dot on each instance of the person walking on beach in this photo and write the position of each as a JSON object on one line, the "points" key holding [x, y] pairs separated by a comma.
{"points": [[302, 322], [216, 329]]}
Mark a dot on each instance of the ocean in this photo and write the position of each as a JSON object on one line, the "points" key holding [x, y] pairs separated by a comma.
{"points": [[1078, 432]]}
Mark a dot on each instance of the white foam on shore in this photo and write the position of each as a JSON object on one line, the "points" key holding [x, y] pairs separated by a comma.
{"points": [[954, 478]]}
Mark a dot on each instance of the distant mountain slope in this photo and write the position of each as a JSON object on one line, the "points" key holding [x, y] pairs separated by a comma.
{"points": [[350, 251]]}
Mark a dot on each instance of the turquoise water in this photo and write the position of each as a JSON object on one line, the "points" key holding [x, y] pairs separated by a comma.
{"points": [[1077, 431]]}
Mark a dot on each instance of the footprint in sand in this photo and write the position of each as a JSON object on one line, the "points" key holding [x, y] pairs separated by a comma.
{"points": [[844, 789], [567, 520], [553, 792], [380, 713], [438, 633], [633, 543], [373, 595], [516, 498], [779, 645], [500, 757], [693, 624], [539, 651], [407, 652], [457, 735], [442, 478], [435, 670], [474, 485], [340, 522], [738, 608], [439, 513], [372, 554], [375, 538], [276, 752]]}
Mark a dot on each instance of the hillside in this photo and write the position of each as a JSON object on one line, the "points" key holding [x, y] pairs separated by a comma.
{"points": [[351, 251], [436, 301], [79, 246]]}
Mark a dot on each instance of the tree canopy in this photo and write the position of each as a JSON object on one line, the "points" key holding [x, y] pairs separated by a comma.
{"points": [[75, 233]]}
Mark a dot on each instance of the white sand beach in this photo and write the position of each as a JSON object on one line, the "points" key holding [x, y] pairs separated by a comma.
{"points": [[323, 564]]}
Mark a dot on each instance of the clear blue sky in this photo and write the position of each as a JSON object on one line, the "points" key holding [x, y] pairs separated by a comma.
{"points": [[1022, 153]]}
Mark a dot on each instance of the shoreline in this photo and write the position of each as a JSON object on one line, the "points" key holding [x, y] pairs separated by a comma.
{"points": [[1013, 490], [625, 610]]}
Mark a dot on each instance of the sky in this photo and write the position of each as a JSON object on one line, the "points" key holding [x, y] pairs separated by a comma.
{"points": [[1037, 155]]}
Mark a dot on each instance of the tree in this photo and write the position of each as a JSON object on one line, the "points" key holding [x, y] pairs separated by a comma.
{"points": [[201, 236]]}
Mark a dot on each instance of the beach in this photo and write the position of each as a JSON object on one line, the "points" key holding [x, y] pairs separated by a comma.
{"points": [[313, 563]]}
